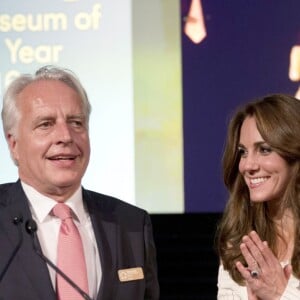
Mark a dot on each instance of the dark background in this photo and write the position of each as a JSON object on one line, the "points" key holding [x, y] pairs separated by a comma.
{"points": [[244, 56]]}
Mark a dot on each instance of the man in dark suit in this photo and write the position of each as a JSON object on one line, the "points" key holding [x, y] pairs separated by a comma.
{"points": [[45, 120]]}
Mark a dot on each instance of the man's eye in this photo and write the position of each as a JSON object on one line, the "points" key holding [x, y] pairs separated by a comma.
{"points": [[45, 124], [76, 123]]}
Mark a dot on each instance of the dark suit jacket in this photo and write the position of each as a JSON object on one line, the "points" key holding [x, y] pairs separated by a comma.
{"points": [[124, 238]]}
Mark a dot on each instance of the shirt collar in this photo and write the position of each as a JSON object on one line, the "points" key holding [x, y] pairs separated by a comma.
{"points": [[41, 206]]}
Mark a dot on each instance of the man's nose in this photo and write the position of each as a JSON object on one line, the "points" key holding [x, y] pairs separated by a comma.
{"points": [[64, 133]]}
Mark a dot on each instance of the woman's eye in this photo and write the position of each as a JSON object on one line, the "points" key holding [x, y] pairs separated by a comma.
{"points": [[265, 150], [241, 152]]}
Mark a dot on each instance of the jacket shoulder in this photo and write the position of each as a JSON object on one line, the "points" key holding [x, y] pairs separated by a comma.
{"points": [[8, 191], [110, 204]]}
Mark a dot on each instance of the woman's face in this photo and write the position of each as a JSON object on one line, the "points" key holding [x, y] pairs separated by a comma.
{"points": [[265, 172]]}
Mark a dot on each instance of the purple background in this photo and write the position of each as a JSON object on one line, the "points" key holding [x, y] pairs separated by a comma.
{"points": [[245, 55]]}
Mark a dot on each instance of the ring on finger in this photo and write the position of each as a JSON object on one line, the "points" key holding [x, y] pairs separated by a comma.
{"points": [[254, 273]]}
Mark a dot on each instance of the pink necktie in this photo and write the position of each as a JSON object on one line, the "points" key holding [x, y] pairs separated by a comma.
{"points": [[70, 256]]}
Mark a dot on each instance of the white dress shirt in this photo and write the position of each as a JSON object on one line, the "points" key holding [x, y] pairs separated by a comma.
{"points": [[48, 230]]}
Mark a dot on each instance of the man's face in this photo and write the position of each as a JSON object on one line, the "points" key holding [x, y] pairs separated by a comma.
{"points": [[51, 145]]}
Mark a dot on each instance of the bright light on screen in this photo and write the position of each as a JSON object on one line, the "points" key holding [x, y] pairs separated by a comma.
{"points": [[127, 55]]}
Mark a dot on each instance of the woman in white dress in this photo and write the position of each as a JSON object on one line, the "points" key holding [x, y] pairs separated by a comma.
{"points": [[258, 238]]}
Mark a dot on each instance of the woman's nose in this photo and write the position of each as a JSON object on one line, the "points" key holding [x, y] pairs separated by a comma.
{"points": [[249, 163]]}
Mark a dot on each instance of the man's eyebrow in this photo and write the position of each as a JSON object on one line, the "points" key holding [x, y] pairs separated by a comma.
{"points": [[76, 116], [44, 117]]}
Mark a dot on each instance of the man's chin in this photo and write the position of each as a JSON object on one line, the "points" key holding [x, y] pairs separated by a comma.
{"points": [[65, 184]]}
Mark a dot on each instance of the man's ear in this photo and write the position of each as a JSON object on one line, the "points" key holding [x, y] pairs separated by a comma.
{"points": [[12, 145]]}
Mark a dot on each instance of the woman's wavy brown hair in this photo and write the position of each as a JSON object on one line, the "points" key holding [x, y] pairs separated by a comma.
{"points": [[278, 121]]}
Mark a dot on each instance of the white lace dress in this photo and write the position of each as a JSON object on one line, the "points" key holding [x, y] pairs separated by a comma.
{"points": [[228, 289]]}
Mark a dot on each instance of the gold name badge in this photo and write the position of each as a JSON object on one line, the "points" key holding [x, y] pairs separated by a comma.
{"points": [[131, 274]]}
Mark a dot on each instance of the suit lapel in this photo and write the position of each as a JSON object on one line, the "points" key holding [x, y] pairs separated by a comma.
{"points": [[106, 232], [35, 270]]}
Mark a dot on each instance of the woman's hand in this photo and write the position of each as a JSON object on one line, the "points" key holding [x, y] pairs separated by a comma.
{"points": [[251, 296], [265, 278]]}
